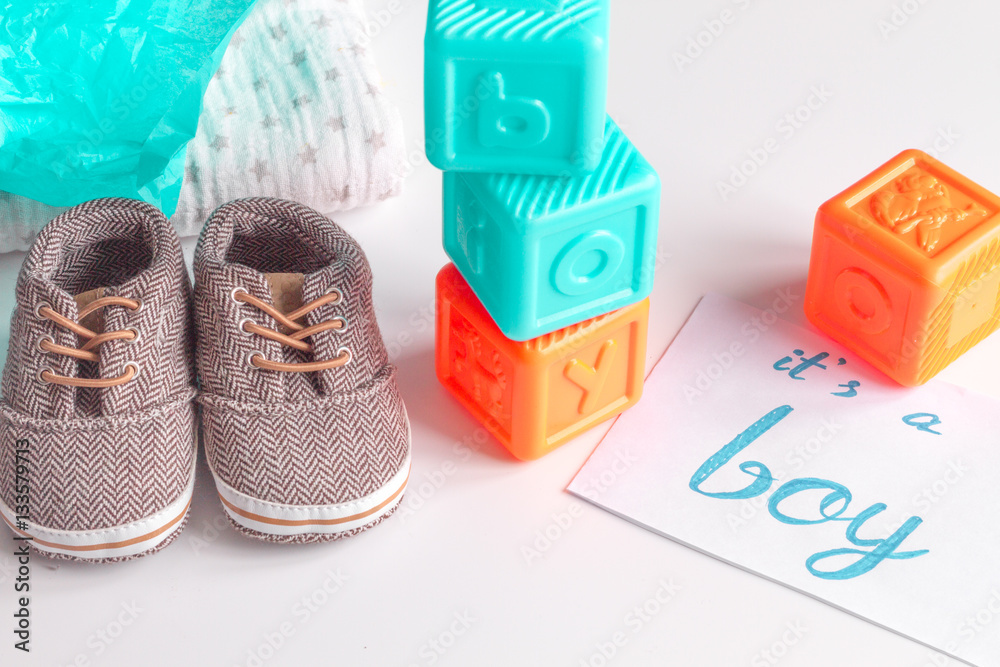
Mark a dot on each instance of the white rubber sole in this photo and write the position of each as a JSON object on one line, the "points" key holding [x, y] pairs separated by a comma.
{"points": [[118, 542], [287, 520]]}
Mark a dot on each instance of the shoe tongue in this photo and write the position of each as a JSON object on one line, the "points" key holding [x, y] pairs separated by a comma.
{"points": [[286, 290], [94, 321]]}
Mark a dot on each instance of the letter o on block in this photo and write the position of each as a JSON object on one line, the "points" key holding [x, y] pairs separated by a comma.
{"points": [[861, 297], [588, 262]]}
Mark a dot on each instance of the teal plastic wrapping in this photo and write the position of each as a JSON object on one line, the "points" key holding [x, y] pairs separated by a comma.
{"points": [[99, 98]]}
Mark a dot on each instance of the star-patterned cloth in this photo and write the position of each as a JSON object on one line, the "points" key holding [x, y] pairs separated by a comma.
{"points": [[296, 111]]}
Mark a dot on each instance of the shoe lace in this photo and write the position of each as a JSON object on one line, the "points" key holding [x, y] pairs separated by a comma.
{"points": [[300, 332], [92, 340]]}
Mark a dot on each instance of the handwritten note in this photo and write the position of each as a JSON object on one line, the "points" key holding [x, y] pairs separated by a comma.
{"points": [[776, 450]]}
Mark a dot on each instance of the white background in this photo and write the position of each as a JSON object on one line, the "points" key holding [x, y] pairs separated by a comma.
{"points": [[212, 598]]}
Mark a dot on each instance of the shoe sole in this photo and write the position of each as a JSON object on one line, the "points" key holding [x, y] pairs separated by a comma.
{"points": [[123, 542], [278, 522], [309, 538]]}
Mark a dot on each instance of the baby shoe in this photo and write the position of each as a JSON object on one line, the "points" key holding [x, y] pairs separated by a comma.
{"points": [[304, 428], [97, 423]]}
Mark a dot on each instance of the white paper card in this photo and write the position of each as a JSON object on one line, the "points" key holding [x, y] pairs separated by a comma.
{"points": [[776, 450]]}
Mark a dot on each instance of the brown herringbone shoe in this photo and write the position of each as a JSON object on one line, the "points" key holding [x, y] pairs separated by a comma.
{"points": [[304, 427], [97, 430]]}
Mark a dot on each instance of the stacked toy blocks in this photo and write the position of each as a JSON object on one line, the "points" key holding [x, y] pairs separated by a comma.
{"points": [[905, 267], [550, 219]]}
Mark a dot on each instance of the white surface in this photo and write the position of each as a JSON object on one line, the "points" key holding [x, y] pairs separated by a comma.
{"points": [[901, 542], [452, 571]]}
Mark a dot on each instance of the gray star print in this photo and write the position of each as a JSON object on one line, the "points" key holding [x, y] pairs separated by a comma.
{"points": [[278, 32], [373, 89], [219, 143], [298, 58], [377, 141], [308, 155], [260, 170], [270, 121], [192, 173], [322, 22], [332, 74], [336, 123]]}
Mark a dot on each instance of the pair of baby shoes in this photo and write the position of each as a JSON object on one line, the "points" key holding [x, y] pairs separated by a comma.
{"points": [[113, 355]]}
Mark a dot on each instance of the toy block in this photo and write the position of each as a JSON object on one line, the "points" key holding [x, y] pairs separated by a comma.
{"points": [[516, 86], [905, 267], [534, 396], [544, 252]]}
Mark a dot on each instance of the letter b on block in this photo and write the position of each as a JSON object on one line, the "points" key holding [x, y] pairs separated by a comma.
{"points": [[516, 86], [536, 395], [511, 122], [905, 267]]}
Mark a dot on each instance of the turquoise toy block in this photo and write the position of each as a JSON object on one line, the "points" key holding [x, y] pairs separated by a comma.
{"points": [[544, 252], [516, 86]]}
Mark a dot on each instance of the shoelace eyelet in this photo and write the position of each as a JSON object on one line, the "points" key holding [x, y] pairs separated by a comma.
{"points": [[38, 308], [135, 366], [42, 339], [340, 296], [241, 325], [138, 308], [343, 324], [132, 341], [251, 355], [341, 351], [236, 290], [42, 371]]}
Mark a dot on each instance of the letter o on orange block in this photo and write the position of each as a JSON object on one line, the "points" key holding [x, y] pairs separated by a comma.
{"points": [[862, 299]]}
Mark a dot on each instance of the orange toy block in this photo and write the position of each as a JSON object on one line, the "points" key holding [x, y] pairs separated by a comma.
{"points": [[536, 395], [905, 267]]}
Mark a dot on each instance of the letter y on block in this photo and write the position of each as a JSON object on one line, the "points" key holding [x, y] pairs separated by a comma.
{"points": [[592, 380]]}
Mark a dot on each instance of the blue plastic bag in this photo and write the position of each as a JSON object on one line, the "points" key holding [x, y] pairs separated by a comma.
{"points": [[100, 97]]}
